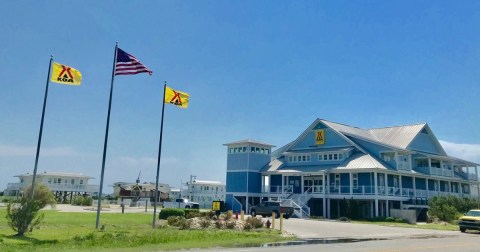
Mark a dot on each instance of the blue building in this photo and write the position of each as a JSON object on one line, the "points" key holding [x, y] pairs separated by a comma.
{"points": [[398, 167]]}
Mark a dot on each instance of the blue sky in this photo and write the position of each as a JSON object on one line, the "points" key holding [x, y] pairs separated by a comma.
{"points": [[254, 69]]}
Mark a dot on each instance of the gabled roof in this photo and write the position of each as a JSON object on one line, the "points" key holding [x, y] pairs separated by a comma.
{"points": [[397, 137], [361, 161], [305, 133]]}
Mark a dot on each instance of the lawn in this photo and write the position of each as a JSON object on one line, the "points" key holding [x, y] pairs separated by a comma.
{"points": [[121, 232]]}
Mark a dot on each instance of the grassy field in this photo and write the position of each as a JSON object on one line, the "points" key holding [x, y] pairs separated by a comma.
{"points": [[121, 232]]}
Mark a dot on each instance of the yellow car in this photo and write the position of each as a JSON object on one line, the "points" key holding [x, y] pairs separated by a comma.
{"points": [[470, 220]]}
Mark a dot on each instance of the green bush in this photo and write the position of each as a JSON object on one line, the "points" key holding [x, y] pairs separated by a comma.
{"points": [[219, 224], [82, 201], [186, 224], [254, 222], [389, 219], [167, 212], [448, 208], [399, 220], [43, 195], [175, 221], [205, 222], [24, 217], [191, 213], [230, 224]]}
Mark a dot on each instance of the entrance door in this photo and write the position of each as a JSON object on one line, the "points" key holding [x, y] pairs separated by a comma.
{"points": [[313, 184]]}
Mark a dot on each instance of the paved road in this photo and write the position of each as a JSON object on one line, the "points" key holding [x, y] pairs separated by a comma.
{"points": [[353, 237]]}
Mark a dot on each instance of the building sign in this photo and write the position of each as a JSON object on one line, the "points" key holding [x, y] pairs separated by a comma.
{"points": [[320, 136], [216, 206]]}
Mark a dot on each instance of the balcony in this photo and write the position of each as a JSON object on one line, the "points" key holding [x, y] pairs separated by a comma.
{"points": [[435, 171]]}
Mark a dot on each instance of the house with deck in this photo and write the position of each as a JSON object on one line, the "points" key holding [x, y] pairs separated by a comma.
{"points": [[399, 167], [64, 185]]}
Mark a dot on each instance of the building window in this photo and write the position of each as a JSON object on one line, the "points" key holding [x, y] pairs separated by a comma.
{"points": [[81, 181], [355, 180], [337, 181], [73, 181], [299, 158], [388, 157]]}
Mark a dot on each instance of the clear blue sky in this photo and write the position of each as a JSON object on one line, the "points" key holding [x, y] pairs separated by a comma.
{"points": [[254, 69]]}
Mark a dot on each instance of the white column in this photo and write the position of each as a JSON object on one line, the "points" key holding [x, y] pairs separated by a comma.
{"points": [[414, 188], [351, 183], [375, 177], [400, 185], [324, 199], [301, 184]]}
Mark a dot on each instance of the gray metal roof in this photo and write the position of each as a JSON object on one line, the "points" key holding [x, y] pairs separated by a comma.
{"points": [[397, 136], [249, 141], [400, 136], [361, 161]]}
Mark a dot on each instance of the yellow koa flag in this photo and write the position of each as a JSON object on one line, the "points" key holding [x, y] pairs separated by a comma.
{"points": [[65, 75], [177, 98]]}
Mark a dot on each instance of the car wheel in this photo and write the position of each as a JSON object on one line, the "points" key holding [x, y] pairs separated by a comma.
{"points": [[187, 207], [277, 215], [264, 216], [462, 229], [287, 216], [253, 213]]}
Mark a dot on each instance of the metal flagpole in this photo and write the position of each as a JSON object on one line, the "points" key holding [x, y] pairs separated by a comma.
{"points": [[99, 205], [41, 128], [159, 155]]}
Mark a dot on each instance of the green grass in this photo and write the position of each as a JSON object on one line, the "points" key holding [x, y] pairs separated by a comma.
{"points": [[121, 232]]}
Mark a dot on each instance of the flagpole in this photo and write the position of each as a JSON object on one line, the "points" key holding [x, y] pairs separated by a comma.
{"points": [[41, 128], [99, 205], [159, 155]]}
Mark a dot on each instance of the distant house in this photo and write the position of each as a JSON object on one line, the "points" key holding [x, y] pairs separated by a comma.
{"points": [[64, 185], [136, 191], [204, 192]]}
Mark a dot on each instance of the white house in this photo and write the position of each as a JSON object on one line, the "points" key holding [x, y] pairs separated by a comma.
{"points": [[64, 185], [204, 192]]}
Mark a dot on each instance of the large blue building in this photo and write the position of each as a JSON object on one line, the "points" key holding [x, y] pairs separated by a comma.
{"points": [[397, 167]]}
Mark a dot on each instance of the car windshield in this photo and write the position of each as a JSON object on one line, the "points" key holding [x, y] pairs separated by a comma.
{"points": [[473, 213]]}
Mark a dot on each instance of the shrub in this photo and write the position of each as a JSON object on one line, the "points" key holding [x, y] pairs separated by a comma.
{"points": [[23, 217], [167, 212], [219, 224], [175, 221], [186, 224], [229, 215], [399, 220], [247, 226], [230, 224], [191, 213], [343, 219], [82, 201], [254, 222], [42, 194], [389, 219], [205, 222]]}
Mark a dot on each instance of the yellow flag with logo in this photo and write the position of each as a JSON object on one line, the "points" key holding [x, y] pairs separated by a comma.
{"points": [[65, 75], [177, 98]]}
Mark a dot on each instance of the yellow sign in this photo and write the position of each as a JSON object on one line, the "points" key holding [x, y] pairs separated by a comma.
{"points": [[216, 206], [65, 75], [320, 136]]}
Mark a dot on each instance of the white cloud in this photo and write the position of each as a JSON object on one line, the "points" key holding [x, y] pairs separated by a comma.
{"points": [[469, 152], [29, 151]]}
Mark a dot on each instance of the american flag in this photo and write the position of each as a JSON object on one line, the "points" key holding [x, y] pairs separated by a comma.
{"points": [[127, 64]]}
